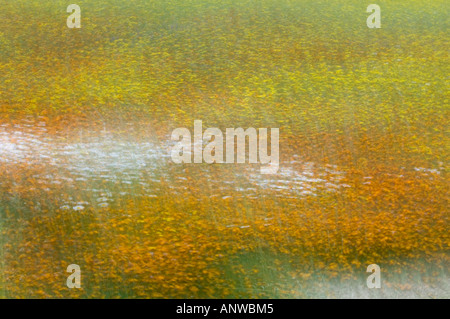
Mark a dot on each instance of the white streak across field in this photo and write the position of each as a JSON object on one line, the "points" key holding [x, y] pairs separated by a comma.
{"points": [[104, 157], [110, 165]]}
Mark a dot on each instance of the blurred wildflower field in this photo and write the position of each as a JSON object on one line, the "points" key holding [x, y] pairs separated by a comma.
{"points": [[85, 176]]}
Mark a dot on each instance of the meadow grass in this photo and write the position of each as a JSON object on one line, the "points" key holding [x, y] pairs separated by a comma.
{"points": [[373, 102]]}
